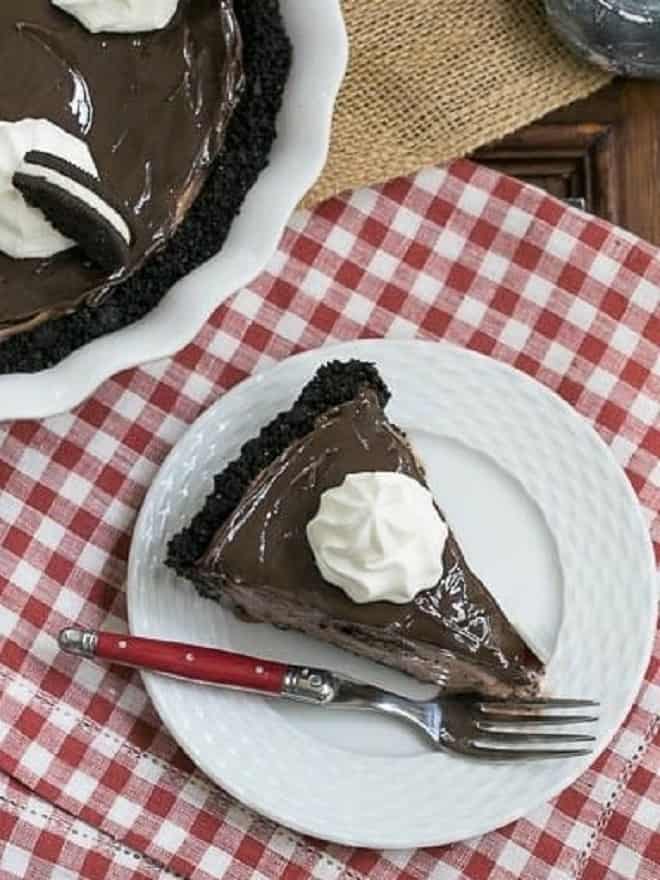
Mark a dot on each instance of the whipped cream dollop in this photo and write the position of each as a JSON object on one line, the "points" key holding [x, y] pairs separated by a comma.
{"points": [[24, 231], [120, 16], [379, 537]]}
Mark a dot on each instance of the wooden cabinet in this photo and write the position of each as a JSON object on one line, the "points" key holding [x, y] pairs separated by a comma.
{"points": [[604, 152]]}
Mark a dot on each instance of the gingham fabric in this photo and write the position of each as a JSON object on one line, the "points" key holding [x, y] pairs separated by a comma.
{"points": [[92, 782]]}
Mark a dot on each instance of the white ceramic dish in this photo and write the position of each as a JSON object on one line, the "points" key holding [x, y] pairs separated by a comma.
{"points": [[298, 155], [545, 516]]}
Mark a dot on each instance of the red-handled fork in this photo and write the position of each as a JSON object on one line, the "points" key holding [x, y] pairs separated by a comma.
{"points": [[470, 725], [194, 662]]}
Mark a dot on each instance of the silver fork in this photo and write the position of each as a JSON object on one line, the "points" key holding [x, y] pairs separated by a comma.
{"points": [[470, 725], [493, 730]]}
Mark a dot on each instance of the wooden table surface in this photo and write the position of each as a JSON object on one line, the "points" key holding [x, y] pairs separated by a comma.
{"points": [[604, 150]]}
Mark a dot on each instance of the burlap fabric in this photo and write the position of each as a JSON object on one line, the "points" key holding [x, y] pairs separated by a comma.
{"points": [[430, 80]]}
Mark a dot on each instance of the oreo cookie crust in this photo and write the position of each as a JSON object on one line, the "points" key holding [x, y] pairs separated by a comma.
{"points": [[249, 138]]}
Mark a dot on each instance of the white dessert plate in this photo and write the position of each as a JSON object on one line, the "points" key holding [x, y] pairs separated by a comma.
{"points": [[545, 516], [320, 53]]}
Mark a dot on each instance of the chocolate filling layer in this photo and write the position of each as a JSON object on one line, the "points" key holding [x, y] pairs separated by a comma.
{"points": [[261, 550], [153, 109]]}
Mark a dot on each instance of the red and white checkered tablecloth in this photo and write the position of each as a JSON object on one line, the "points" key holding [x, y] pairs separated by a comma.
{"points": [[90, 781]]}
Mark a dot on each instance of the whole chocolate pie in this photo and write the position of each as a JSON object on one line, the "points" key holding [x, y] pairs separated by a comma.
{"points": [[151, 108], [248, 547]]}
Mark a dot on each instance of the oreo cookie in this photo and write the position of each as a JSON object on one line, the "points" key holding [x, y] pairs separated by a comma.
{"points": [[77, 206]]}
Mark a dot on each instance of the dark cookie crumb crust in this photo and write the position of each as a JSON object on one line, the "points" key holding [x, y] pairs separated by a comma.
{"points": [[250, 135], [334, 383]]}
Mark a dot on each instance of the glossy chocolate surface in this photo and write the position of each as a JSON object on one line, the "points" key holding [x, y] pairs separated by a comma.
{"points": [[264, 543], [153, 109]]}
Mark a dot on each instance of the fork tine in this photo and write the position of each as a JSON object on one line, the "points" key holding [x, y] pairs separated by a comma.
{"points": [[523, 705], [489, 721], [505, 736], [524, 754]]}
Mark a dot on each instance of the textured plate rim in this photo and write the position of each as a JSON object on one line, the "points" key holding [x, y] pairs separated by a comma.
{"points": [[297, 159], [408, 840]]}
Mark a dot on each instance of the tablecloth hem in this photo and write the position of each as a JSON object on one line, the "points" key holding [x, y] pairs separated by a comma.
{"points": [[20, 699]]}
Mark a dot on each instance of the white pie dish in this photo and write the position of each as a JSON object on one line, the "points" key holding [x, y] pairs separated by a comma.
{"points": [[320, 53]]}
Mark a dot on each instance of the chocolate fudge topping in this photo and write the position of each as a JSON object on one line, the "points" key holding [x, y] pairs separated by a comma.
{"points": [[153, 109], [263, 545]]}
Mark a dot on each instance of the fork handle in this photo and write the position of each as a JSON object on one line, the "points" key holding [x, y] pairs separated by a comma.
{"points": [[202, 665]]}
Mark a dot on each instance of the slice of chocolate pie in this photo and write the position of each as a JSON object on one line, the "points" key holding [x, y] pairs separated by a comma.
{"points": [[249, 548]]}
